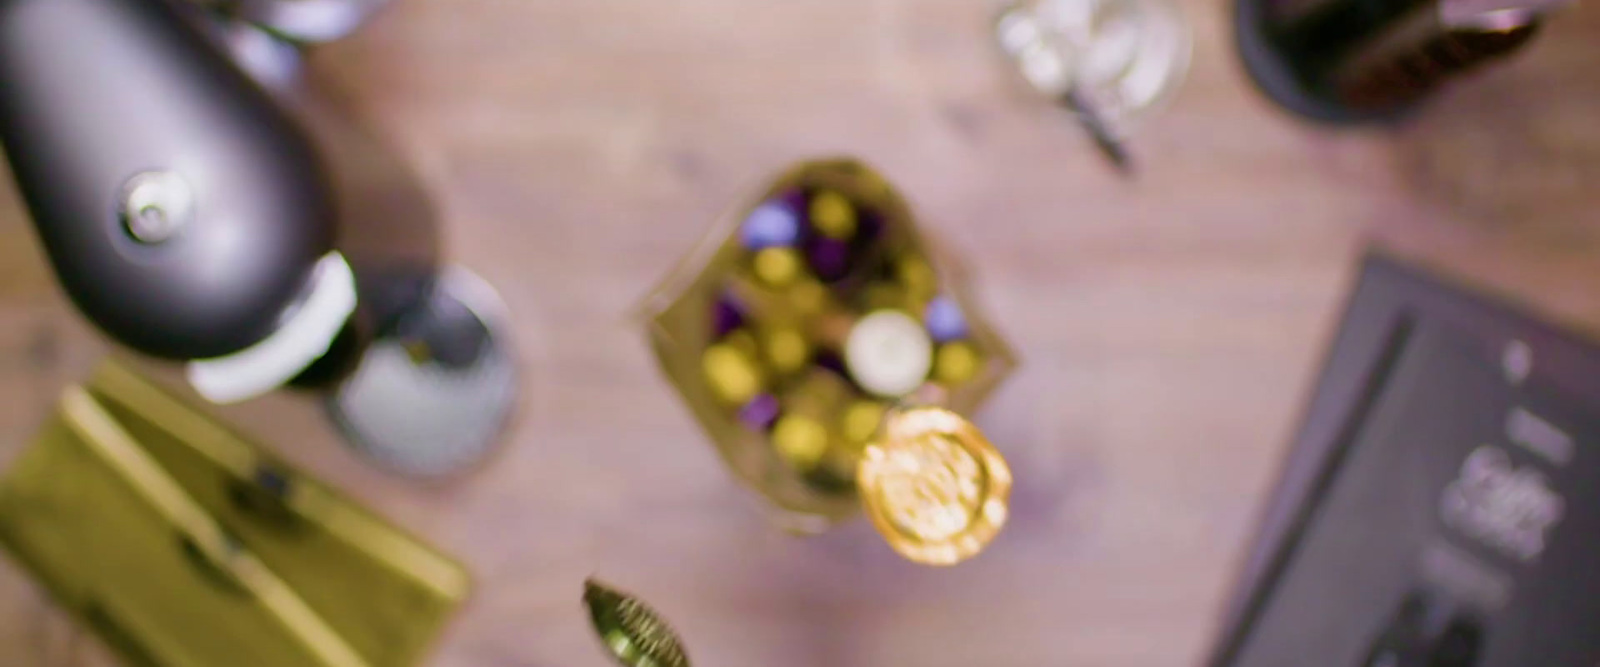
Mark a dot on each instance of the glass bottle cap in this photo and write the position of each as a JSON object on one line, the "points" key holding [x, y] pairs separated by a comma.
{"points": [[935, 488]]}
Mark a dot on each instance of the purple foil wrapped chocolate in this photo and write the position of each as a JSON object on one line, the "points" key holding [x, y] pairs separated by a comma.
{"points": [[944, 319], [775, 222], [760, 413], [829, 258], [726, 316]]}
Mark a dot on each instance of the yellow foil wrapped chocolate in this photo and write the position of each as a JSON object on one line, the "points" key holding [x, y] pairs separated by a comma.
{"points": [[798, 321]]}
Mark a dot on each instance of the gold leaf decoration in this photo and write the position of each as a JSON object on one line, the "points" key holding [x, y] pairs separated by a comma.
{"points": [[631, 630]]}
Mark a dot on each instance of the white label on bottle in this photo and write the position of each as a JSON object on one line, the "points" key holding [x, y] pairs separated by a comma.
{"points": [[304, 337]]}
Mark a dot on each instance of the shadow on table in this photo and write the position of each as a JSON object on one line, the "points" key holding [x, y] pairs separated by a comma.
{"points": [[1516, 146]]}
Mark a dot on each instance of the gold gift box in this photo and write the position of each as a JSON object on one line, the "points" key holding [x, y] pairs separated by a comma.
{"points": [[182, 544], [780, 278]]}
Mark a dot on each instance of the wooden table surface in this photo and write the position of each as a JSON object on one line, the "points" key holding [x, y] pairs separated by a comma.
{"points": [[1170, 326]]}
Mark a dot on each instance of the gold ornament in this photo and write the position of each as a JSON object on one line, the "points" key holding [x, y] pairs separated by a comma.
{"points": [[632, 631]]}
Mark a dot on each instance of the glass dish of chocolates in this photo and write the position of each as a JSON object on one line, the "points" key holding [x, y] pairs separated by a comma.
{"points": [[805, 321]]}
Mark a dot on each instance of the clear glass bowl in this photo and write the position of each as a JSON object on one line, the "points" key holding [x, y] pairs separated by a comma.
{"points": [[1126, 58]]}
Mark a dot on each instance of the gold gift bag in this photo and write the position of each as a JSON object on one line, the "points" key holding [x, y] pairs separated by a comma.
{"points": [[181, 544], [813, 320]]}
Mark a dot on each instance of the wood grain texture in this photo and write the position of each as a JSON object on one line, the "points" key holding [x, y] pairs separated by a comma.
{"points": [[1169, 327]]}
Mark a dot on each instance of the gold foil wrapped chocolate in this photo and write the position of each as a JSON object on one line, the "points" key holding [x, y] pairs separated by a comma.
{"points": [[798, 333], [632, 631], [934, 486]]}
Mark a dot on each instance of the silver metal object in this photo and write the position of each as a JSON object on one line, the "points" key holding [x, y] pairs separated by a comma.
{"points": [[273, 62], [1497, 14], [303, 21], [1112, 62], [431, 398], [1094, 122], [155, 205]]}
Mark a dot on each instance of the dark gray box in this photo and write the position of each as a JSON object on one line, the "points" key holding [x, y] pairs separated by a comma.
{"points": [[1435, 510]]}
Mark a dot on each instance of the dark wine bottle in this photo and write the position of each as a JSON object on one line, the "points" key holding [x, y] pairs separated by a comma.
{"points": [[1370, 60]]}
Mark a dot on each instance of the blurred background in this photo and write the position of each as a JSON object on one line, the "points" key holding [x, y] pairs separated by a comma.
{"points": [[1169, 326]]}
